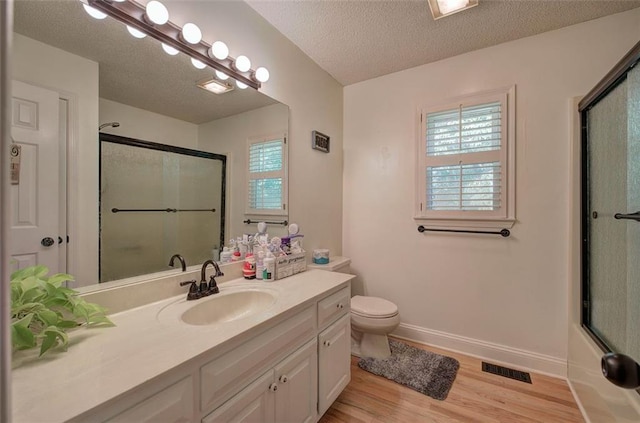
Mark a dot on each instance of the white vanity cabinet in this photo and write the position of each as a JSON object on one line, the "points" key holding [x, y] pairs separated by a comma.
{"points": [[286, 393], [288, 367]]}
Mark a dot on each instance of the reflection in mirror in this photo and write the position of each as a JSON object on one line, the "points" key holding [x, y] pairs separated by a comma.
{"points": [[156, 200], [101, 74]]}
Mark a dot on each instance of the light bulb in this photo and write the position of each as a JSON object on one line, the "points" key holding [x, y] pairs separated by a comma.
{"points": [[241, 85], [169, 50], [221, 75], [135, 32], [157, 12], [219, 50], [243, 63], [120, 1], [191, 33], [197, 63], [94, 13], [262, 74]]}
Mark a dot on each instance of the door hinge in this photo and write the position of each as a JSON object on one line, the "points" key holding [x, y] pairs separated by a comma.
{"points": [[420, 206], [285, 140], [284, 206], [585, 304]]}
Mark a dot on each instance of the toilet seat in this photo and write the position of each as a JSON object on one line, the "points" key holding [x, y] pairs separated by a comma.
{"points": [[373, 307]]}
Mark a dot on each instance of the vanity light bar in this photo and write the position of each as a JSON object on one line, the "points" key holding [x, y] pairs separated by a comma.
{"points": [[132, 14]]}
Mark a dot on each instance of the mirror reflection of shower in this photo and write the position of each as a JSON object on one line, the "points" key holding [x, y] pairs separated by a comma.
{"points": [[104, 125]]}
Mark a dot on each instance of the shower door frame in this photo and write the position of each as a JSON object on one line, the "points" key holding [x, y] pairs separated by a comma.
{"points": [[613, 79], [134, 142]]}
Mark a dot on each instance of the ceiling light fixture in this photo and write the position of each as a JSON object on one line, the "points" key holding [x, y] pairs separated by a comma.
{"points": [[197, 63], [215, 86], [191, 33], [135, 32], [157, 13], [153, 20], [94, 13], [169, 50], [221, 76], [442, 8]]}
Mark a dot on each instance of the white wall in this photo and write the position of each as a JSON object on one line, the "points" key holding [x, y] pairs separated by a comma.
{"points": [[229, 136], [315, 101], [505, 299], [42, 65], [147, 126]]}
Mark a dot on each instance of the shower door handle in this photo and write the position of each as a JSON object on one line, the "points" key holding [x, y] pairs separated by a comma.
{"points": [[621, 370], [631, 216]]}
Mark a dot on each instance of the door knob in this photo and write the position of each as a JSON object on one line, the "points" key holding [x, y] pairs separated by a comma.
{"points": [[47, 242], [621, 370]]}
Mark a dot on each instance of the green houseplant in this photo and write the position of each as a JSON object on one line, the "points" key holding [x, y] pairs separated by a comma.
{"points": [[42, 310]]}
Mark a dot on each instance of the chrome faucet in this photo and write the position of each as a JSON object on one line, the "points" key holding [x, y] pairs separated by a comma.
{"points": [[182, 262]]}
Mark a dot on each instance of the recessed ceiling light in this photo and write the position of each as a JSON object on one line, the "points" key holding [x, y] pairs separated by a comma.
{"points": [[215, 86], [442, 8]]}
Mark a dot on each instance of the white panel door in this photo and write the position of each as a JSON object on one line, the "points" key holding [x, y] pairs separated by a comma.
{"points": [[34, 198]]}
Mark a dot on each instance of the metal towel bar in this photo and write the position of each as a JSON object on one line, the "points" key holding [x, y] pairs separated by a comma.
{"points": [[167, 210], [503, 232], [249, 222]]}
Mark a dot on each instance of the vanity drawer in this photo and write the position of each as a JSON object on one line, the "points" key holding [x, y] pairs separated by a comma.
{"points": [[172, 404], [334, 306], [223, 377]]}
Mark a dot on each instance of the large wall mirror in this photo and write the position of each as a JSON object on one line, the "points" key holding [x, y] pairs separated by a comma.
{"points": [[73, 74]]}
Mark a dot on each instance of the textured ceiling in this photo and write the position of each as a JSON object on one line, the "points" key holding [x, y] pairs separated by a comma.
{"points": [[356, 40], [132, 71]]}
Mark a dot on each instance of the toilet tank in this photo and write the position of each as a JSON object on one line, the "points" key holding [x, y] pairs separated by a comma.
{"points": [[336, 264]]}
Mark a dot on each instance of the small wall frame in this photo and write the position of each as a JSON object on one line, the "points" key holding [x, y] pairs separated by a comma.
{"points": [[320, 141]]}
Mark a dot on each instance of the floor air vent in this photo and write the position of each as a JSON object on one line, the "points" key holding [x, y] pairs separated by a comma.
{"points": [[506, 372]]}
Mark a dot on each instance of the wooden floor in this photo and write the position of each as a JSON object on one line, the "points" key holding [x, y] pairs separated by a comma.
{"points": [[476, 396]]}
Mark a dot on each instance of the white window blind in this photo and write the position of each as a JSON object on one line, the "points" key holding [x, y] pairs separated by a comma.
{"points": [[266, 189], [472, 183], [464, 168]]}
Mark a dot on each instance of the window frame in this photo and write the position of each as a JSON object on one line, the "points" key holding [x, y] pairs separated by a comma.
{"points": [[504, 217], [282, 211]]}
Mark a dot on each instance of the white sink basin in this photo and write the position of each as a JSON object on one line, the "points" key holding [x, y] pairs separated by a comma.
{"points": [[225, 307], [232, 303]]}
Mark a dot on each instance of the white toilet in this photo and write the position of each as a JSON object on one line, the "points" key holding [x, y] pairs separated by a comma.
{"points": [[372, 319]]}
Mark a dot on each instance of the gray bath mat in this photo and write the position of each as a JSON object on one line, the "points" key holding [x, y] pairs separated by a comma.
{"points": [[426, 372]]}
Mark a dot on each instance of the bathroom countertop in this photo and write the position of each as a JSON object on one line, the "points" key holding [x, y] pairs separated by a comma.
{"points": [[104, 363]]}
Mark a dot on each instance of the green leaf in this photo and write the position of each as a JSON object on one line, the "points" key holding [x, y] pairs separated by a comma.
{"points": [[49, 341], [67, 324], [50, 318], [100, 321], [22, 337], [25, 321], [57, 279]]}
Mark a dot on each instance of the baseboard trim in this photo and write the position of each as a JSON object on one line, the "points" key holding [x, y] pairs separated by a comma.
{"points": [[576, 397], [499, 354]]}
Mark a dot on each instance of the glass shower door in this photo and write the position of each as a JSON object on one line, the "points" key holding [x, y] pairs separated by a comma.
{"points": [[611, 298]]}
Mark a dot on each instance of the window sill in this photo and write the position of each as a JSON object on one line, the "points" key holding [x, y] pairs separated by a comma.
{"points": [[465, 223]]}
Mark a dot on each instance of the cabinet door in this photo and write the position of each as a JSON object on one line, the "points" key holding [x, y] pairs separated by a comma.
{"points": [[254, 404], [297, 379], [334, 358]]}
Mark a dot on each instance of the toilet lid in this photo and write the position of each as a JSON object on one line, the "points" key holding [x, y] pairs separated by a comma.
{"points": [[373, 307]]}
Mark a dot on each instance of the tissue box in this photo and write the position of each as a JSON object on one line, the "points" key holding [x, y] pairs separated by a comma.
{"points": [[290, 265]]}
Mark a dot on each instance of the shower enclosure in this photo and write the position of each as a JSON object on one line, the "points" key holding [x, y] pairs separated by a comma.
{"points": [[610, 120], [157, 200]]}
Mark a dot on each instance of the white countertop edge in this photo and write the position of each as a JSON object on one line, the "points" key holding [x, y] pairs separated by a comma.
{"points": [[65, 385]]}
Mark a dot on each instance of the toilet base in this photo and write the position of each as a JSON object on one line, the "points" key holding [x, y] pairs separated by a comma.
{"points": [[369, 345]]}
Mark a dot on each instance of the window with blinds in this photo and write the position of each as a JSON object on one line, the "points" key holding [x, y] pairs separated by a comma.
{"points": [[464, 168], [266, 190]]}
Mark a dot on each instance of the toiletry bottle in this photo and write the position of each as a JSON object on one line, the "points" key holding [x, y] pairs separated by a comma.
{"points": [[259, 264], [225, 255], [269, 272]]}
